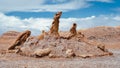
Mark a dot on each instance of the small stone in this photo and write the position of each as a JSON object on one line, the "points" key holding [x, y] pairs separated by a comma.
{"points": [[51, 56], [42, 52], [69, 53], [86, 55]]}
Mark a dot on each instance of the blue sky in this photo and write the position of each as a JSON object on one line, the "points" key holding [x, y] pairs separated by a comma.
{"points": [[37, 15], [100, 7]]}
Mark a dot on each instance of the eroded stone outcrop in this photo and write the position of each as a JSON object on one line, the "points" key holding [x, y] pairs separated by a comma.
{"points": [[20, 39], [55, 45], [56, 48], [74, 45], [73, 30], [55, 24]]}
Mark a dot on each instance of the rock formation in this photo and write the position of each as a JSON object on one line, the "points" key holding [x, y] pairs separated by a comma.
{"points": [[20, 40], [76, 44], [73, 29], [42, 52], [55, 24], [40, 37], [70, 53], [56, 48], [72, 33], [81, 37]]}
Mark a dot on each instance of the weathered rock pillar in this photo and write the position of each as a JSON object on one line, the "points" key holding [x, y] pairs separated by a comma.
{"points": [[73, 29], [20, 40], [55, 24]]}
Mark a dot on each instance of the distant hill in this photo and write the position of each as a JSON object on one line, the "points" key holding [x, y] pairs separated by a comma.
{"points": [[110, 36], [7, 38]]}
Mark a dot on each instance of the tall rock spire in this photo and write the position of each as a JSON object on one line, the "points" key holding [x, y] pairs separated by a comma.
{"points": [[55, 24]]}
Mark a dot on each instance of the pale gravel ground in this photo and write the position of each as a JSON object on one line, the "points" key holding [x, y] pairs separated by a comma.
{"points": [[27, 62]]}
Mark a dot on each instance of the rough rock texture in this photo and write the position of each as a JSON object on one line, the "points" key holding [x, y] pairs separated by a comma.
{"points": [[61, 48], [42, 52], [55, 24], [73, 30], [41, 36], [20, 39], [70, 53], [72, 33]]}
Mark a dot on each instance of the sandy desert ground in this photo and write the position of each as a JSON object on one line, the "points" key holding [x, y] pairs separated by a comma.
{"points": [[17, 61]]}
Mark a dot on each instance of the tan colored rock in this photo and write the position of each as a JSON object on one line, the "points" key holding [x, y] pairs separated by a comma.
{"points": [[20, 39], [55, 24], [12, 51], [86, 55], [29, 38], [81, 37], [52, 56], [26, 51], [72, 32], [69, 53], [99, 45], [41, 37], [42, 52], [73, 29]]}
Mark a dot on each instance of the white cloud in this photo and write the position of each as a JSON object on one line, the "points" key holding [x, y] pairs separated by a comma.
{"points": [[59, 1], [108, 1], [42, 5], [38, 24], [117, 18]]}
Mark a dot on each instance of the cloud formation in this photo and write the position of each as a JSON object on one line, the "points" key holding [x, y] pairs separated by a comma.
{"points": [[36, 25], [44, 5], [108, 1]]}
